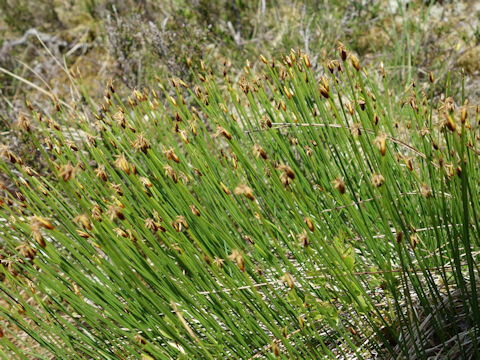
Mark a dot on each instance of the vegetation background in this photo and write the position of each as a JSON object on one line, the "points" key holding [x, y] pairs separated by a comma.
{"points": [[131, 42], [136, 44]]}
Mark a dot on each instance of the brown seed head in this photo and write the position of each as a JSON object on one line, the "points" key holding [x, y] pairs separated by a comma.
{"points": [[170, 154], [115, 212], [425, 191], [38, 237], [223, 132], [258, 151], [332, 65], [342, 51], [218, 261], [83, 221], [414, 240], [122, 163], [141, 143], [303, 238], [100, 172], [288, 280], [170, 172], [339, 185], [380, 142], [180, 223], [243, 189], [450, 123], [194, 210], [377, 180], [26, 251], [354, 61], [23, 122], [9, 155], [275, 349]]}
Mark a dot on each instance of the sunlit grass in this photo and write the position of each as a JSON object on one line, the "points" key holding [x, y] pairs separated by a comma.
{"points": [[294, 215]]}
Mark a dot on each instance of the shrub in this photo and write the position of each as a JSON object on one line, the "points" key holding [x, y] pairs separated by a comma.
{"points": [[289, 216]]}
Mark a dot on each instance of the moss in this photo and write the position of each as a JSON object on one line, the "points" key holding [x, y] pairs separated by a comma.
{"points": [[470, 60]]}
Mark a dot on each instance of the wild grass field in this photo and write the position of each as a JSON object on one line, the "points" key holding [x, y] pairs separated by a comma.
{"points": [[237, 179]]}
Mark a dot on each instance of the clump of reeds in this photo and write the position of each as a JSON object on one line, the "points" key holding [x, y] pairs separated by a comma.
{"points": [[294, 214]]}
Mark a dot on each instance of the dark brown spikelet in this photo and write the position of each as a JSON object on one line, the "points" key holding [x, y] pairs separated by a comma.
{"points": [[170, 154], [221, 131], [258, 151], [323, 91], [141, 143], [100, 173], [342, 51], [275, 350], [399, 236], [194, 210], [339, 185]]}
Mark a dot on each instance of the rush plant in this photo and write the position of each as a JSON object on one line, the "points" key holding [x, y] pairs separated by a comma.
{"points": [[296, 213]]}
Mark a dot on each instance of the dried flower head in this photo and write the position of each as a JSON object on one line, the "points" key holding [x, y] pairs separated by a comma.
{"points": [[377, 180], [115, 212], [38, 222], [180, 223], [23, 122], [414, 240], [7, 154], [171, 173], [258, 151], [38, 237], [218, 261], [194, 210], [425, 191], [287, 175], [122, 163], [354, 61], [303, 238], [141, 143], [26, 251], [100, 172], [83, 221], [342, 51], [245, 190], [96, 212], [221, 131], [332, 65], [170, 154]]}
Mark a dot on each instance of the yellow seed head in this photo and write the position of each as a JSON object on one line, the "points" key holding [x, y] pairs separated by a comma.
{"points": [[83, 221], [309, 223], [380, 142], [354, 61]]}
